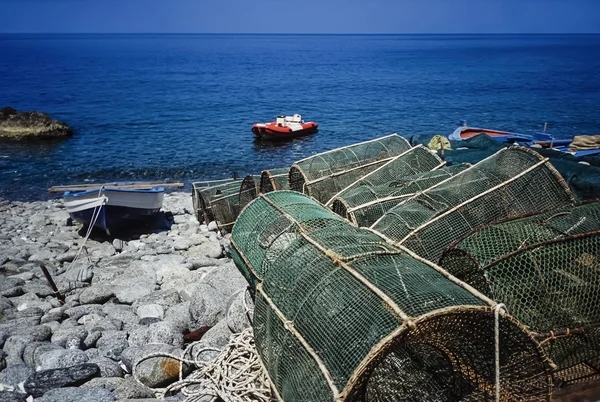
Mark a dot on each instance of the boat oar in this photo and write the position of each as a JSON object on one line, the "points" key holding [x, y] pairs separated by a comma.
{"points": [[57, 294]]}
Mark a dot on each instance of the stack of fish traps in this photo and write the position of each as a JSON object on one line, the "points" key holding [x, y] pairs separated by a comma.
{"points": [[473, 283], [274, 180], [324, 175]]}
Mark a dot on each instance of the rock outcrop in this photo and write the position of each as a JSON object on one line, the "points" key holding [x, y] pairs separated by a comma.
{"points": [[15, 125]]}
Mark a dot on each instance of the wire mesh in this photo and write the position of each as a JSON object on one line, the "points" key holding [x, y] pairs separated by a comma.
{"points": [[546, 269], [227, 205], [274, 180], [341, 314], [363, 205], [204, 192], [325, 174], [511, 183], [416, 160]]}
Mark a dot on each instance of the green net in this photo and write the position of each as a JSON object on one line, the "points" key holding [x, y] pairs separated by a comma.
{"points": [[323, 175], [365, 204], [341, 314], [227, 205], [416, 160], [205, 191], [511, 183], [274, 180], [546, 270]]}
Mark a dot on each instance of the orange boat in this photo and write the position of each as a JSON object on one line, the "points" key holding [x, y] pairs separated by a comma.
{"points": [[285, 127]]}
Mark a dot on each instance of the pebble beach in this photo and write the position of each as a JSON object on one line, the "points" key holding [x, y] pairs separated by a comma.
{"points": [[124, 299]]}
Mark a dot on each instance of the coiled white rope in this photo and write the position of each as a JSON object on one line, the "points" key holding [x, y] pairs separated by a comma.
{"points": [[235, 375]]}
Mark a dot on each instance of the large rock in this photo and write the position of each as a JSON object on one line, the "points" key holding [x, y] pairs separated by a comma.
{"points": [[112, 344], [159, 332], [109, 383], [15, 374], [217, 337], [121, 312], [108, 367], [42, 381], [130, 388], [35, 350], [156, 371], [239, 312], [210, 249], [62, 358], [68, 334], [211, 295], [96, 294], [75, 394], [15, 125]]}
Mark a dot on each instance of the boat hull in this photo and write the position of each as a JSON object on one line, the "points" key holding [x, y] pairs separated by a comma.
{"points": [[117, 210], [266, 131]]}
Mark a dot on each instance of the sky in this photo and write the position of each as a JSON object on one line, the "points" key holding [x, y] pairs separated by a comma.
{"points": [[300, 16]]}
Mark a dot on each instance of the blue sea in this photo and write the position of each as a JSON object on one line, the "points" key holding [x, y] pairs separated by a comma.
{"points": [[180, 107]]}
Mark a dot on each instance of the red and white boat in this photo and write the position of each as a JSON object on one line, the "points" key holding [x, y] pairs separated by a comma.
{"points": [[285, 127]]}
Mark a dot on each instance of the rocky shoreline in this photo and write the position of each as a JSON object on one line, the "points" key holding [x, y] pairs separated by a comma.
{"points": [[124, 299], [15, 125]]}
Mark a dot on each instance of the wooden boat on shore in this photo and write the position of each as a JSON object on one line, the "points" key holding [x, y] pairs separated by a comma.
{"points": [[114, 208], [285, 127]]}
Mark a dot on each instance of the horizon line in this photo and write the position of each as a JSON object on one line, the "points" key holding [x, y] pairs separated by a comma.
{"points": [[299, 34]]}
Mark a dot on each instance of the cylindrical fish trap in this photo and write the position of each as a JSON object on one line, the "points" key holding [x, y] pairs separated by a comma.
{"points": [[274, 180], [248, 191], [227, 205], [364, 204], [513, 182], [342, 315], [325, 174], [202, 194], [416, 160], [546, 270]]}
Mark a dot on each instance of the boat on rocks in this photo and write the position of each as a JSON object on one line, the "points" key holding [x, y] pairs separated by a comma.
{"points": [[115, 208], [285, 127]]}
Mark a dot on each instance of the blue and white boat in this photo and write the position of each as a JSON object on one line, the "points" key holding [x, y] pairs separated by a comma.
{"points": [[114, 209]]}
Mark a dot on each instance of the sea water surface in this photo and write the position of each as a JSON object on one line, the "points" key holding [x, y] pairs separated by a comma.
{"points": [[180, 107]]}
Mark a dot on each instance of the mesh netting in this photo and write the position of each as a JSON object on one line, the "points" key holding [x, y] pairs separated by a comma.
{"points": [[341, 314], [204, 192], [511, 183], [325, 174], [546, 269], [227, 205], [416, 160], [274, 180], [365, 204]]}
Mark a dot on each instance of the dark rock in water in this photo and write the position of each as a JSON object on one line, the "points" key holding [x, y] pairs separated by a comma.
{"points": [[15, 125], [42, 381]]}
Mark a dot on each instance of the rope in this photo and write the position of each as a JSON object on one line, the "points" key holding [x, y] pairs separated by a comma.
{"points": [[497, 309], [95, 215], [235, 375]]}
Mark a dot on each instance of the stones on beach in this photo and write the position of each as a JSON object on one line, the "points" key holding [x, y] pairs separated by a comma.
{"points": [[124, 299], [42, 381], [15, 125]]}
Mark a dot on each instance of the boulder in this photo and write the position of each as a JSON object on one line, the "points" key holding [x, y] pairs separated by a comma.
{"points": [[108, 367], [96, 294], [33, 352], [156, 371], [62, 358], [109, 383], [39, 383], [112, 344], [12, 396], [239, 310], [15, 125], [75, 394], [130, 388], [15, 374]]}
